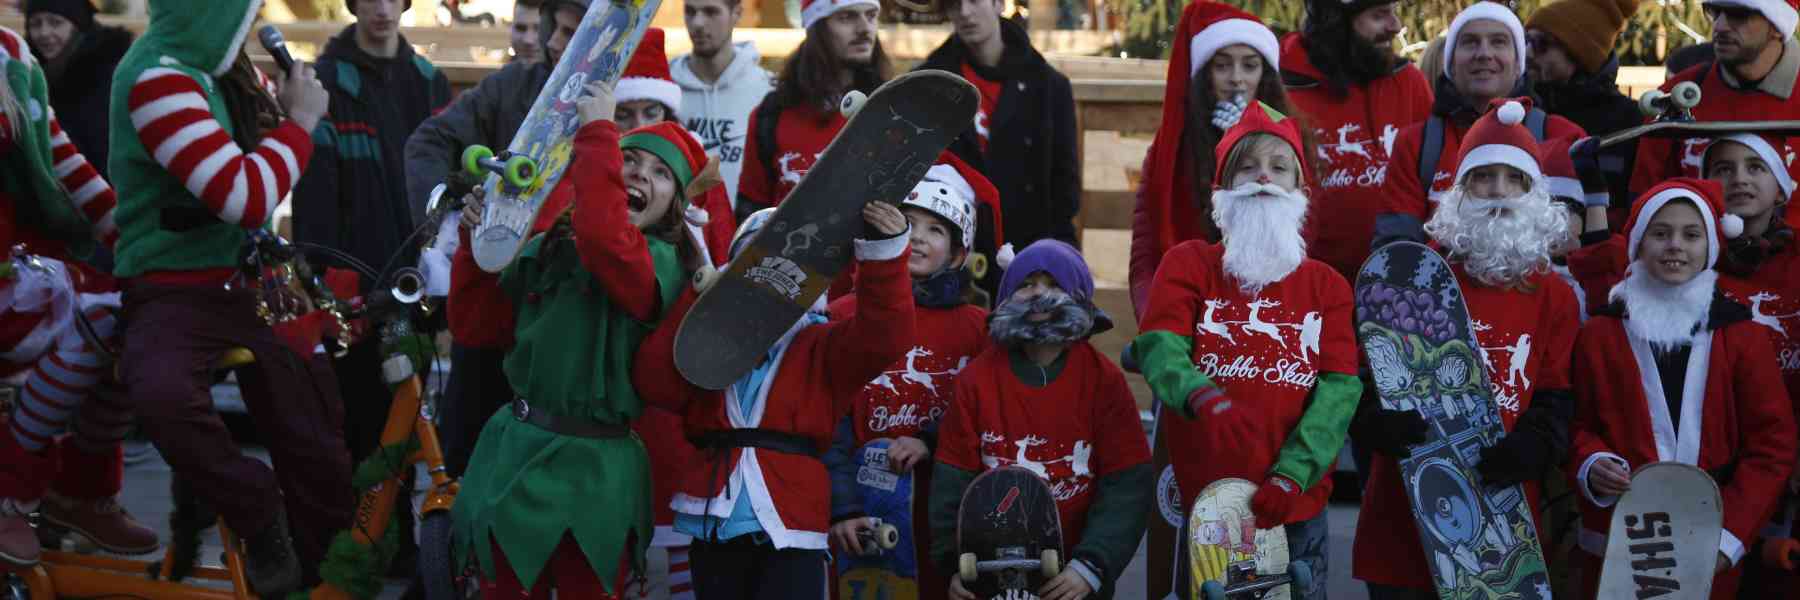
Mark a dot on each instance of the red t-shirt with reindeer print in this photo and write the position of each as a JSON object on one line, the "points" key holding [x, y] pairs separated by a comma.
{"points": [[912, 395], [1079, 428], [1266, 350]]}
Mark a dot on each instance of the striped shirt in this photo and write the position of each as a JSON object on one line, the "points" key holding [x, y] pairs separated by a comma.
{"points": [[90, 194]]}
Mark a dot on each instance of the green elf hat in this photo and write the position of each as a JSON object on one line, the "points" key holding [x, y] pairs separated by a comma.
{"points": [[674, 145]]}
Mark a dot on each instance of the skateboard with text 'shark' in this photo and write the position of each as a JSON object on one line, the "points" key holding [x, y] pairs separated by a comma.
{"points": [[884, 149], [1664, 537], [1479, 540]]}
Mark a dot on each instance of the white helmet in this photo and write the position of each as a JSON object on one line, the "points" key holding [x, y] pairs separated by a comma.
{"points": [[946, 194]]}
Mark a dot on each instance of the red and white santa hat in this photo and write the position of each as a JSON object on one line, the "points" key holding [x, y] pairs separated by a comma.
{"points": [[1562, 178], [813, 10], [1492, 11], [1222, 25], [646, 77], [951, 190], [1772, 151], [1500, 137], [1258, 118], [1704, 193], [1784, 14]]}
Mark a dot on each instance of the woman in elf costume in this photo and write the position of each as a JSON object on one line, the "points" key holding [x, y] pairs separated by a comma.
{"points": [[572, 309], [54, 206], [1672, 370]]}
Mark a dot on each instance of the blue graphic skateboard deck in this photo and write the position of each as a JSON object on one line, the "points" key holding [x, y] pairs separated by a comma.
{"points": [[890, 570]]}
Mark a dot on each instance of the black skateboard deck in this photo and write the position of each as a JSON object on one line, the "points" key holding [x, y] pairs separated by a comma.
{"points": [[1413, 324], [1008, 535], [879, 155]]}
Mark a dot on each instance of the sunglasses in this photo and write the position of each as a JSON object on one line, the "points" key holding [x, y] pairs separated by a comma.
{"points": [[1737, 14], [1541, 41]]}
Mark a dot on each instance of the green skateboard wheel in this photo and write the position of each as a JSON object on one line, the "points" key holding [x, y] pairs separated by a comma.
{"points": [[472, 158], [520, 170]]}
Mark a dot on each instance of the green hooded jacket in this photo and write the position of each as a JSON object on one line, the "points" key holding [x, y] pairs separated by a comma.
{"points": [[28, 174]]}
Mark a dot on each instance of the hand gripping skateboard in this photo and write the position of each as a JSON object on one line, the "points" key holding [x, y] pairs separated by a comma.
{"points": [[892, 137], [1673, 117], [1008, 535], [1664, 537], [520, 178], [1228, 557], [1413, 325], [889, 569]]}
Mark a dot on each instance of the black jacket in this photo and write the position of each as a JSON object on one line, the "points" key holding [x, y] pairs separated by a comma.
{"points": [[1032, 159], [488, 115], [352, 196], [81, 91], [1594, 102]]}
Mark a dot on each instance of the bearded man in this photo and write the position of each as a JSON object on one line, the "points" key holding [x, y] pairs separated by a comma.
{"points": [[1499, 228], [1251, 319]]}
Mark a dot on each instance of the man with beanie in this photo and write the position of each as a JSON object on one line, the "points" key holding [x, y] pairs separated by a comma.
{"points": [[721, 82], [1484, 59], [1342, 73], [1499, 230], [1751, 78], [350, 198], [792, 126], [78, 55], [1028, 149], [1575, 75]]}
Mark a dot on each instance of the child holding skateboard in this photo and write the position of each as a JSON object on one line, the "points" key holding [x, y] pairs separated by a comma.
{"points": [[1293, 399], [906, 401], [757, 498], [571, 309], [1499, 229], [1671, 370], [1042, 398]]}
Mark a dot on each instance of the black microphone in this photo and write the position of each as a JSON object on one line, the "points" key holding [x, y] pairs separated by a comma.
{"points": [[277, 47]]}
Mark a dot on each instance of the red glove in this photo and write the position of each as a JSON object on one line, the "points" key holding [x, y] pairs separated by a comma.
{"points": [[1274, 501], [1781, 553], [1228, 426]]}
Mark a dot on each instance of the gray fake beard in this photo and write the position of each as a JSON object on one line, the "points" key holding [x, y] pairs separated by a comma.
{"points": [[1069, 321]]}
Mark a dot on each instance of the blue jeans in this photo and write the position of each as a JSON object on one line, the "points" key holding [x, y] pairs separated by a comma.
{"points": [[1307, 544]]}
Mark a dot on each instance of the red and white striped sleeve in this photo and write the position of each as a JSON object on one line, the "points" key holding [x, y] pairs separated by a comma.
{"points": [[92, 195], [172, 119]]}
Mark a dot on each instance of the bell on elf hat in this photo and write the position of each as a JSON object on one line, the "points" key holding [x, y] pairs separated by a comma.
{"points": [[1707, 195], [646, 77]]}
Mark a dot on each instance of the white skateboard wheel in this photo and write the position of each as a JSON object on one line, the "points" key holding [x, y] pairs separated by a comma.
{"points": [[1051, 562], [706, 277], [1686, 95], [887, 536], [965, 567], [852, 102], [1648, 102]]}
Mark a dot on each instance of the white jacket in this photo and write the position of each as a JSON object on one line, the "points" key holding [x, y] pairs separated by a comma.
{"points": [[720, 112]]}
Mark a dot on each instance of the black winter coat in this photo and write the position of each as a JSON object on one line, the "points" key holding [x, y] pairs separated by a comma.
{"points": [[81, 91], [1594, 102], [488, 115]]}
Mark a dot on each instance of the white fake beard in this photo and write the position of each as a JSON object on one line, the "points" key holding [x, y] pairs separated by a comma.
{"points": [[1261, 226], [1501, 251], [1666, 316]]}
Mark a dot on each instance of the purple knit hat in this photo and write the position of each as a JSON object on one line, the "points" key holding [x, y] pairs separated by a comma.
{"points": [[1064, 264]]}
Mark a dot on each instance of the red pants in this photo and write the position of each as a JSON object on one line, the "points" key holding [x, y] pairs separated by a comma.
{"points": [[567, 572]]}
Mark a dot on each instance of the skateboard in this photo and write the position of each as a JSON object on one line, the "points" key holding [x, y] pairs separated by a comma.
{"points": [[891, 570], [892, 137], [1165, 524], [1228, 557], [521, 177], [1664, 537], [1673, 117], [1008, 535], [1413, 325]]}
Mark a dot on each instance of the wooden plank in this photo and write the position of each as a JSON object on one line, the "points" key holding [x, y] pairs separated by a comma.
{"points": [[1123, 118], [1125, 91], [1107, 209]]}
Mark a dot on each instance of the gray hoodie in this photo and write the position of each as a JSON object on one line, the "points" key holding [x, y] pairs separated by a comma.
{"points": [[720, 112]]}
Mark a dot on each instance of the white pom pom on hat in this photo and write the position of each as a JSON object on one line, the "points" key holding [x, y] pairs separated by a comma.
{"points": [[1731, 225], [1511, 113], [1005, 256]]}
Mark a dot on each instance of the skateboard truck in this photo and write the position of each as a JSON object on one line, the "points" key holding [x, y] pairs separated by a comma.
{"points": [[878, 538], [1245, 582], [1673, 105], [1049, 562], [517, 170]]}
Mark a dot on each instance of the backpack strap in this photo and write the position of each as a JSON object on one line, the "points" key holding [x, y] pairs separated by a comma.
{"points": [[1534, 121], [1429, 150]]}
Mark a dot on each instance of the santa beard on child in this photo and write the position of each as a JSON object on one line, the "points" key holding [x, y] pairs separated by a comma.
{"points": [[1500, 242], [1262, 226]]}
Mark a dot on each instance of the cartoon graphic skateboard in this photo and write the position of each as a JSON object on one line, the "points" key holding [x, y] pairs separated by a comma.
{"points": [[1413, 325], [1228, 557], [1664, 537], [892, 137], [1008, 535], [522, 176], [890, 568]]}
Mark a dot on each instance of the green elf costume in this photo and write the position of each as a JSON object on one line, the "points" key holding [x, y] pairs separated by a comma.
{"points": [[557, 493]]}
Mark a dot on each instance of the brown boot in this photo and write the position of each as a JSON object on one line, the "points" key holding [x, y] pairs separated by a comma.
{"points": [[18, 543], [102, 521]]}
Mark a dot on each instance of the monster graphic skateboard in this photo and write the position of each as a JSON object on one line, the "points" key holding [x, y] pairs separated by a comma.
{"points": [[1008, 535], [1672, 117], [889, 569], [520, 178], [892, 137], [1664, 537], [1228, 557], [1414, 328]]}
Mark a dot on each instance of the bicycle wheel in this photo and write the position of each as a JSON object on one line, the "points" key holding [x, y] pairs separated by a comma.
{"points": [[437, 569]]}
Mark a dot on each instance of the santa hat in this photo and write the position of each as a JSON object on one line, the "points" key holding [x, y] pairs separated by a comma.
{"points": [[1492, 11], [1773, 152], [646, 77], [1708, 195], [1562, 178], [1258, 118], [1224, 25], [1784, 14], [1499, 137], [950, 191], [813, 10]]}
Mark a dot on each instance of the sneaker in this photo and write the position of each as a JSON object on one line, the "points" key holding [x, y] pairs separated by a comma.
{"points": [[269, 558], [101, 521], [18, 543]]}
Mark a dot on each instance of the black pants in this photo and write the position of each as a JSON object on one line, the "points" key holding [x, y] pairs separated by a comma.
{"points": [[477, 387], [1388, 592], [742, 568]]}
